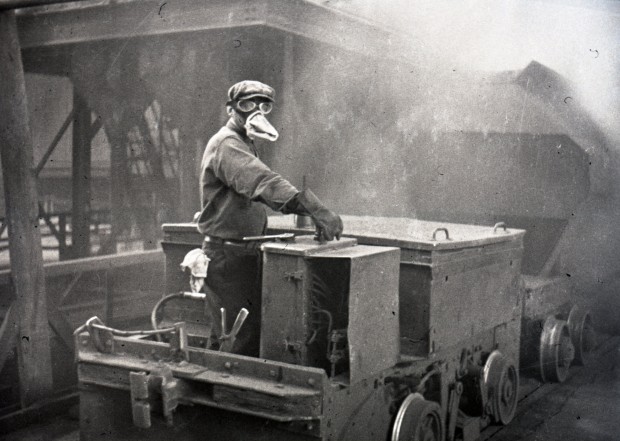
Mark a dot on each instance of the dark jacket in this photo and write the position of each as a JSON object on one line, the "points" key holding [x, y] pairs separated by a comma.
{"points": [[233, 184]]}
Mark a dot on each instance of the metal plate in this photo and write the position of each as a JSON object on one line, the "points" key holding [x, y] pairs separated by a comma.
{"points": [[409, 233], [306, 245], [373, 330]]}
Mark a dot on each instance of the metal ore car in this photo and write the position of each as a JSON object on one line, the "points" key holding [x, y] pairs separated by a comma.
{"points": [[414, 335], [556, 329]]}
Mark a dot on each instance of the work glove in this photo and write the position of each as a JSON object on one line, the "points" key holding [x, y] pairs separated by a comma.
{"points": [[328, 223]]}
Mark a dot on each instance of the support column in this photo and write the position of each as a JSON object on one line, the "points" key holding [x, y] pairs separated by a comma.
{"points": [[81, 179], [119, 216], [16, 151], [188, 181]]}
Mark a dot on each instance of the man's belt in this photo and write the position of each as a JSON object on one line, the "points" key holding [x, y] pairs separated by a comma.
{"points": [[230, 243], [249, 243]]}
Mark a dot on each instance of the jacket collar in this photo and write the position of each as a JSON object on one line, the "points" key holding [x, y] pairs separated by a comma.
{"points": [[233, 125]]}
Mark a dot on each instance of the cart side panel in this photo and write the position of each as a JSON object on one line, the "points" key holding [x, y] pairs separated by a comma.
{"points": [[477, 291]]}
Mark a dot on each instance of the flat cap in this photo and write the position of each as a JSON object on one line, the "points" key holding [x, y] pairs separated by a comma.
{"points": [[244, 90]]}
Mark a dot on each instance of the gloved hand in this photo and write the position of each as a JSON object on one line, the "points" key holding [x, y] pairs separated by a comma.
{"points": [[328, 223]]}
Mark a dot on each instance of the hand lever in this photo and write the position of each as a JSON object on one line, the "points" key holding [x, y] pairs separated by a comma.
{"points": [[284, 237], [228, 340]]}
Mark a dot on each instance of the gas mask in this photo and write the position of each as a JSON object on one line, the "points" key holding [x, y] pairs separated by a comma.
{"points": [[256, 124]]}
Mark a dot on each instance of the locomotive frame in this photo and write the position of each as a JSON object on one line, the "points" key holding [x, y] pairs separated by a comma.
{"points": [[429, 345]]}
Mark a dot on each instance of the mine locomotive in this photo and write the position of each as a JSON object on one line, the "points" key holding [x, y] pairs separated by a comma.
{"points": [[406, 330]]}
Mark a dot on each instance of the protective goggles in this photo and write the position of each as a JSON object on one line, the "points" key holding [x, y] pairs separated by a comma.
{"points": [[249, 105]]}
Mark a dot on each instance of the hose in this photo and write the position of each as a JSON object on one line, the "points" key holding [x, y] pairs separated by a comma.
{"points": [[190, 295]]}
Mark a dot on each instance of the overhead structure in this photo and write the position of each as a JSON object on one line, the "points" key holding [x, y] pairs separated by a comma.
{"points": [[156, 74], [148, 74]]}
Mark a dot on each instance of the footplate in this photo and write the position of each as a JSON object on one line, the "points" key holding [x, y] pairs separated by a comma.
{"points": [[158, 383]]}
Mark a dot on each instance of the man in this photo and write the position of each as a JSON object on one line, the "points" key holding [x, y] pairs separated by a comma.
{"points": [[234, 183]]}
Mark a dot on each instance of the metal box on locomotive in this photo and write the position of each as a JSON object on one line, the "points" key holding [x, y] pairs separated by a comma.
{"points": [[349, 350], [457, 281], [556, 331]]}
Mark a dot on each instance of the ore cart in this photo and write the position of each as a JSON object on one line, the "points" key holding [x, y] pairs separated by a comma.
{"points": [[416, 341], [556, 331]]}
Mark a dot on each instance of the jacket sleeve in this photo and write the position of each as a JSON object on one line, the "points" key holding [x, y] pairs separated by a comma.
{"points": [[238, 168]]}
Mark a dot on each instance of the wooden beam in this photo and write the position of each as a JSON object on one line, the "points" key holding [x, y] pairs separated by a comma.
{"points": [[67, 290], [186, 171], [8, 334], [14, 4], [16, 151], [118, 179], [54, 143], [47, 61], [62, 237], [108, 304], [134, 19], [110, 21], [95, 127], [99, 263], [48, 221], [59, 324], [81, 178]]}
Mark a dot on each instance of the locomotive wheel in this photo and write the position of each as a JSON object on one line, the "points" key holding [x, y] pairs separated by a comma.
{"points": [[418, 420], [556, 350], [501, 381], [581, 333]]}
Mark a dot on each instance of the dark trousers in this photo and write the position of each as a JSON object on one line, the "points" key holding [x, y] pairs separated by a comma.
{"points": [[234, 274]]}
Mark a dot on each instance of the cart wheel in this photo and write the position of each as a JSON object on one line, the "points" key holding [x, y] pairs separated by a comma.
{"points": [[581, 333], [501, 381], [418, 420], [556, 350]]}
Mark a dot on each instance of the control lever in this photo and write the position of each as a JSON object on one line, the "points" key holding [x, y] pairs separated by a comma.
{"points": [[284, 237], [228, 340]]}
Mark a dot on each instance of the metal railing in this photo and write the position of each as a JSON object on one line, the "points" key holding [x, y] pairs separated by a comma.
{"points": [[58, 226]]}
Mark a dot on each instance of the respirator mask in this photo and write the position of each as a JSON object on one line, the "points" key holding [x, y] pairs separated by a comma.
{"points": [[256, 125]]}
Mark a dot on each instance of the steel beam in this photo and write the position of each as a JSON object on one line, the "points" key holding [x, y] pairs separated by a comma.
{"points": [[81, 185], [16, 150]]}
